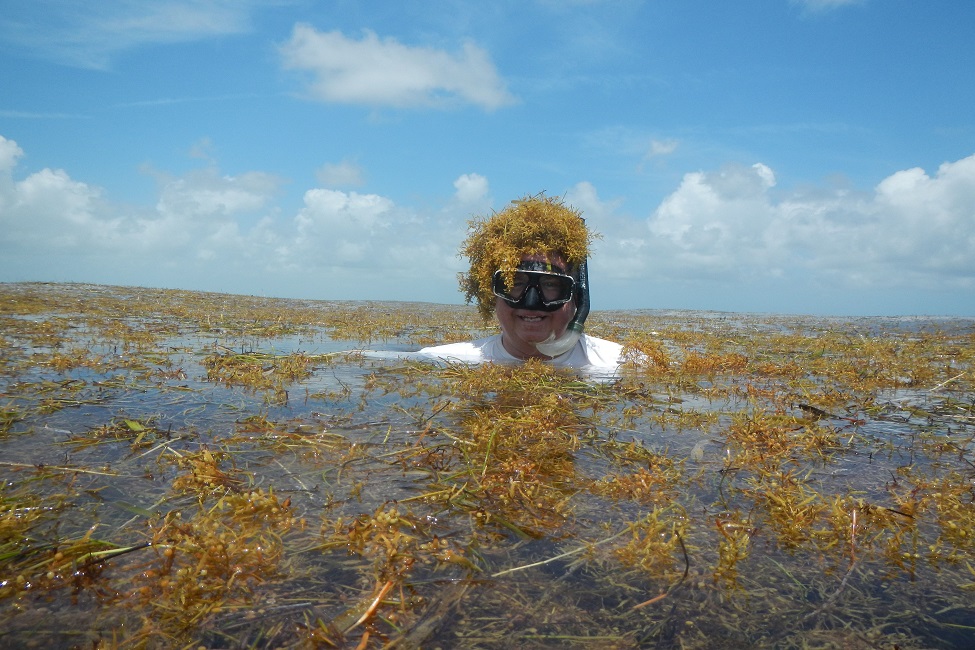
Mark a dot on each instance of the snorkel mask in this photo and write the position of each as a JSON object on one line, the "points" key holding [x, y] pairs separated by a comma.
{"points": [[542, 286], [539, 286]]}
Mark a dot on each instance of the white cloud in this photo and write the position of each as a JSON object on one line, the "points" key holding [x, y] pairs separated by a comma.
{"points": [[206, 193], [712, 220], [52, 223], [203, 212], [364, 246], [583, 197], [328, 213], [213, 231], [385, 72], [720, 235], [912, 230], [88, 34], [45, 210], [621, 248], [342, 174], [10, 153], [50, 209], [471, 188]]}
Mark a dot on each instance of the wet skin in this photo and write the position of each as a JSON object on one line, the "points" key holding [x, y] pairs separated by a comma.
{"points": [[521, 329]]}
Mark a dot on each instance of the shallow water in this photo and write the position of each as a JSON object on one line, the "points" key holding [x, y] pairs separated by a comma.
{"points": [[184, 469]]}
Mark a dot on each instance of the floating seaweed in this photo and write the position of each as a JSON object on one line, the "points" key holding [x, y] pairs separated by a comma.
{"points": [[184, 469]]}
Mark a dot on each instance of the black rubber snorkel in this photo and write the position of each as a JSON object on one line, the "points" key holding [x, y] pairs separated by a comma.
{"points": [[554, 347]]}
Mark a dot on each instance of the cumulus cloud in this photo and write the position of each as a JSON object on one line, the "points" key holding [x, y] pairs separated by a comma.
{"points": [[712, 218], [10, 153], [719, 233], [385, 72], [205, 193], [622, 248], [88, 34], [584, 198], [364, 246], [51, 222], [45, 210], [50, 208], [214, 231], [331, 216], [912, 229], [471, 188]]}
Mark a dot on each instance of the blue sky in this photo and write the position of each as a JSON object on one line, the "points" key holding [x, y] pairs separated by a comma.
{"points": [[784, 156]]}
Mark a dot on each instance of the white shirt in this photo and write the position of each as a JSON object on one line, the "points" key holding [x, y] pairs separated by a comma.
{"points": [[589, 353]]}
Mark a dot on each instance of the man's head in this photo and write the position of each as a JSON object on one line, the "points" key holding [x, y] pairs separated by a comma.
{"points": [[534, 229], [528, 266]]}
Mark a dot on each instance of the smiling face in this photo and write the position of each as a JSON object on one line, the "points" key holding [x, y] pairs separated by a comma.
{"points": [[521, 329]]}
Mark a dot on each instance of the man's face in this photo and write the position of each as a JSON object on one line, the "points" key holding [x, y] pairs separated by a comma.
{"points": [[521, 329]]}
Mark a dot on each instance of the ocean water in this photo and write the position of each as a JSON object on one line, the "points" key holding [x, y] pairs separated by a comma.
{"points": [[184, 469]]}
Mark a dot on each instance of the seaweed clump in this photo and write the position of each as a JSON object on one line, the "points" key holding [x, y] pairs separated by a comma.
{"points": [[534, 225]]}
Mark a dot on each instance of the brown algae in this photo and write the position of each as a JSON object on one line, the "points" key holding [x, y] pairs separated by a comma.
{"points": [[186, 469]]}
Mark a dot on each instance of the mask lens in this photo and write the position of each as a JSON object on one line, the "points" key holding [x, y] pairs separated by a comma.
{"points": [[555, 287]]}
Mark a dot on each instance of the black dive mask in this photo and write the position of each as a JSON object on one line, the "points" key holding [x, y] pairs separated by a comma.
{"points": [[537, 286]]}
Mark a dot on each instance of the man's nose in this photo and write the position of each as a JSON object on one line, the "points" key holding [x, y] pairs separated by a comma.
{"points": [[533, 299]]}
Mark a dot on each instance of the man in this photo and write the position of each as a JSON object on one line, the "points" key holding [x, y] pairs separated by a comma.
{"points": [[528, 268]]}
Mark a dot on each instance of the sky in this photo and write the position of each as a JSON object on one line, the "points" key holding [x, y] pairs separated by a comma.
{"points": [[771, 156]]}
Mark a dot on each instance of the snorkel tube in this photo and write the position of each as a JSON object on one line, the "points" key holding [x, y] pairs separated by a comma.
{"points": [[553, 347]]}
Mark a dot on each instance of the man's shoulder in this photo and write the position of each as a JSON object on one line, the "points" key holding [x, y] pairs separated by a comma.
{"points": [[596, 343], [479, 349], [601, 352]]}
